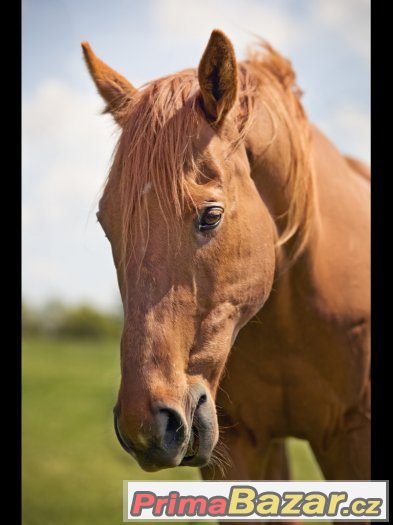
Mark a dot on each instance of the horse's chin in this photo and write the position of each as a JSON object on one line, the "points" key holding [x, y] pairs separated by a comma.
{"points": [[198, 453], [195, 461]]}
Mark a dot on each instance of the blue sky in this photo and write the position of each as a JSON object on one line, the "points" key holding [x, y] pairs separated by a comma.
{"points": [[67, 144]]}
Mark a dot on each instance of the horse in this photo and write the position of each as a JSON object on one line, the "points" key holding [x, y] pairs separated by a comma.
{"points": [[240, 237]]}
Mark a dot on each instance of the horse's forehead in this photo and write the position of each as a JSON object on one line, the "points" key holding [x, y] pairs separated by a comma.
{"points": [[207, 138], [210, 152]]}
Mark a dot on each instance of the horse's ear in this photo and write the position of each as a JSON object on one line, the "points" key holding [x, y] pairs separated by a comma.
{"points": [[113, 87], [218, 78]]}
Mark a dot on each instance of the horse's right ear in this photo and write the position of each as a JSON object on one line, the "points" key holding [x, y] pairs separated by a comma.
{"points": [[218, 78], [113, 87]]}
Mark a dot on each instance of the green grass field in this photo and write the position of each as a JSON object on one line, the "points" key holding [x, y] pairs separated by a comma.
{"points": [[72, 465]]}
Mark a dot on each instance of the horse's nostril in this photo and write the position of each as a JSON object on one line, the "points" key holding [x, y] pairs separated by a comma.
{"points": [[201, 400], [125, 442], [171, 428]]}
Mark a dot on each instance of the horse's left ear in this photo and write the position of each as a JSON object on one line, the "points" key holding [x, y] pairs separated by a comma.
{"points": [[218, 78], [113, 87]]}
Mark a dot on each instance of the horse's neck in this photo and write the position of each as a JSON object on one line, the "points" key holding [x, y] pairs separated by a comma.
{"points": [[341, 207]]}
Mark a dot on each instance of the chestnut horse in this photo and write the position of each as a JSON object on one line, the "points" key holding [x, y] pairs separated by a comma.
{"points": [[240, 236]]}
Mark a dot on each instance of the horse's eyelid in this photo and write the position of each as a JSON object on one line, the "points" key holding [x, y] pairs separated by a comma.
{"points": [[212, 205]]}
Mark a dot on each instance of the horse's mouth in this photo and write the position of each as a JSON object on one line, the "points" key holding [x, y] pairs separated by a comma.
{"points": [[193, 447]]}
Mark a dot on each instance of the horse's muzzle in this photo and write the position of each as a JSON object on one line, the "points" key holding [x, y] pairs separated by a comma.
{"points": [[175, 437]]}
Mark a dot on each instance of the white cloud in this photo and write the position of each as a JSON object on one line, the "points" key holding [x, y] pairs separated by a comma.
{"points": [[67, 147], [189, 20], [348, 18]]}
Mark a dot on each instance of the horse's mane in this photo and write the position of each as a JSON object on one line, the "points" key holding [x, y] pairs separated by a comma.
{"points": [[155, 148], [281, 96]]}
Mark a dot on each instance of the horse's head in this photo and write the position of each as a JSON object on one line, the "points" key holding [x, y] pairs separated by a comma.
{"points": [[193, 244]]}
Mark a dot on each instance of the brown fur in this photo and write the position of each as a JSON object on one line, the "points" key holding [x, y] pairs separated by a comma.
{"points": [[112, 86], [284, 279], [162, 118], [217, 77]]}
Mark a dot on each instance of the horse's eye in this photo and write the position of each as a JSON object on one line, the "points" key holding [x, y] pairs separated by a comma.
{"points": [[210, 218]]}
